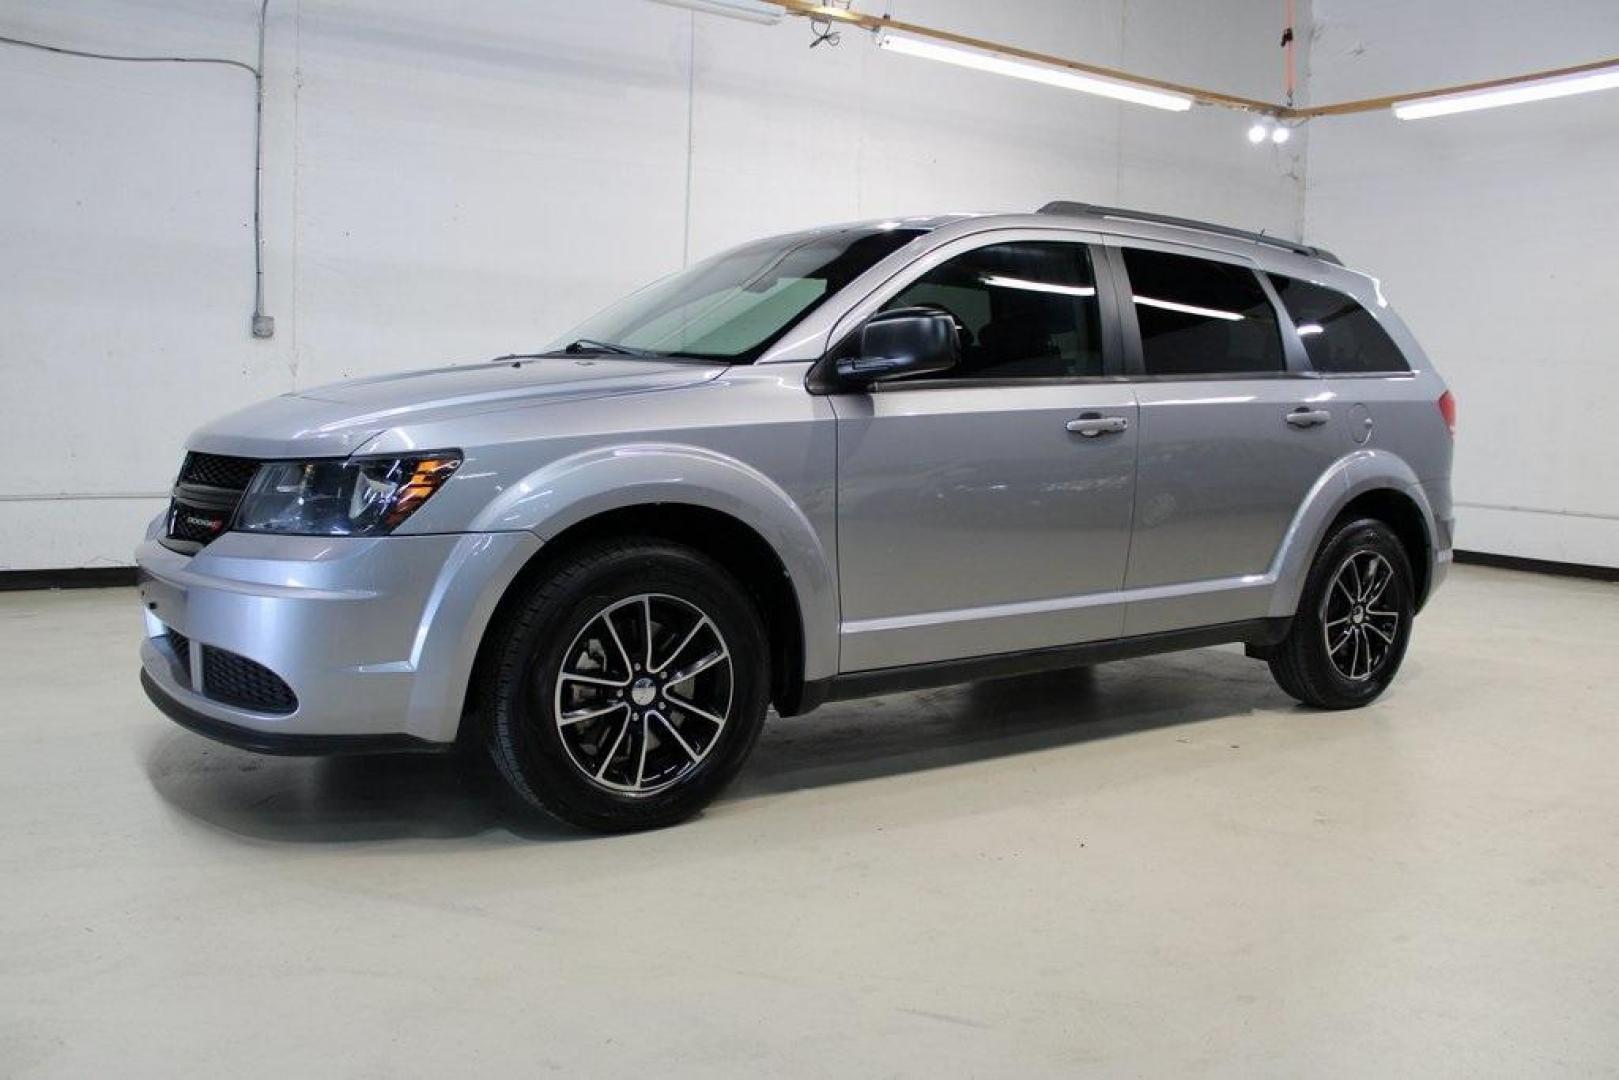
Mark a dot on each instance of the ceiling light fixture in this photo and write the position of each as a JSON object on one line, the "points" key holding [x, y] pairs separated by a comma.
{"points": [[984, 54], [1540, 90], [752, 10], [1270, 129], [1001, 64]]}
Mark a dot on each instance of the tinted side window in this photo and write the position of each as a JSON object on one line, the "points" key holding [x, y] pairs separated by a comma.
{"points": [[1199, 317], [1025, 310], [1337, 332]]}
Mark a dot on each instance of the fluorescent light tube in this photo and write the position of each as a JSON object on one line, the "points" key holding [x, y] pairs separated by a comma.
{"points": [[999, 64], [1037, 286], [752, 10], [1188, 309], [1539, 90]]}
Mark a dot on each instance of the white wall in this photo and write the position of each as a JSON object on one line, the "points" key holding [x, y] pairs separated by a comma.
{"points": [[447, 183], [1495, 236], [453, 181]]}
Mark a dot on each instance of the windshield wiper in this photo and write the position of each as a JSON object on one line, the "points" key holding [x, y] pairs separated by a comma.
{"points": [[520, 356], [576, 348], [589, 345], [586, 346]]}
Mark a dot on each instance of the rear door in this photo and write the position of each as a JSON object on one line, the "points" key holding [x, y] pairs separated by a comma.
{"points": [[1234, 435], [989, 511], [1352, 353]]}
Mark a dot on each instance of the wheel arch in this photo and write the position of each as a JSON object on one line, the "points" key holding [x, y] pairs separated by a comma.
{"points": [[691, 495], [1373, 483], [1400, 512], [726, 539]]}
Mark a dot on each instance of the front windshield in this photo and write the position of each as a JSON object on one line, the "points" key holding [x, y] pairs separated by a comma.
{"points": [[733, 306]]}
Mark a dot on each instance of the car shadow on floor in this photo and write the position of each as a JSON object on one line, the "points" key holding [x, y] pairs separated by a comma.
{"points": [[932, 729], [367, 798]]}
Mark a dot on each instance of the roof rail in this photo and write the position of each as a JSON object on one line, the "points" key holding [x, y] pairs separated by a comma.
{"points": [[1064, 207]]}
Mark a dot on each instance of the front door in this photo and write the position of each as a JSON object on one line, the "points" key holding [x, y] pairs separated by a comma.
{"points": [[988, 511]]}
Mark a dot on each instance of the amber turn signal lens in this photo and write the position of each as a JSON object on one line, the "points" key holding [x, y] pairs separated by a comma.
{"points": [[427, 477]]}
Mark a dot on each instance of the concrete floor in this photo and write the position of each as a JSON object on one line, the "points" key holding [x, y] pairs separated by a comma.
{"points": [[1157, 868]]}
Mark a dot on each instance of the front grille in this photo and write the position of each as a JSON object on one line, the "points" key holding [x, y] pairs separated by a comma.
{"points": [[194, 525], [217, 470], [182, 651], [236, 680], [205, 499]]}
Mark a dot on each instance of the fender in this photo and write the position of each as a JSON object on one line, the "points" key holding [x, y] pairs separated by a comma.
{"points": [[572, 489], [1349, 477], [463, 600]]}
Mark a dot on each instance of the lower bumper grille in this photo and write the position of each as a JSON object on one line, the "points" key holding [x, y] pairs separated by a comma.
{"points": [[232, 679], [235, 680], [182, 651]]}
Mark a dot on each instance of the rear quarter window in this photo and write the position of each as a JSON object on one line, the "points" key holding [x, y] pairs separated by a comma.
{"points": [[1339, 335]]}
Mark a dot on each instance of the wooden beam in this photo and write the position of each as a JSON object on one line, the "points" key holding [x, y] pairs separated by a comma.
{"points": [[1344, 108], [1202, 95], [876, 22]]}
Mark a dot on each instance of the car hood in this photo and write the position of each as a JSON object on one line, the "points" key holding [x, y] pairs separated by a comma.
{"points": [[340, 418]]}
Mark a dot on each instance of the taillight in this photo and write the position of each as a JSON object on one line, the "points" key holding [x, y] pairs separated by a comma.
{"points": [[1447, 409]]}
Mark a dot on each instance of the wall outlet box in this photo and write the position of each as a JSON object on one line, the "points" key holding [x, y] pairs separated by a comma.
{"points": [[263, 326]]}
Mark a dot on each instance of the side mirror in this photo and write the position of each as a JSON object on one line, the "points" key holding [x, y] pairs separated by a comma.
{"points": [[902, 343]]}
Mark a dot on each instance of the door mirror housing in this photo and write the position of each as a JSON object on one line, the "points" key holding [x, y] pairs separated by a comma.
{"points": [[902, 343]]}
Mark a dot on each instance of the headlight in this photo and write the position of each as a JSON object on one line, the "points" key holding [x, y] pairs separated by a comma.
{"points": [[341, 497]]}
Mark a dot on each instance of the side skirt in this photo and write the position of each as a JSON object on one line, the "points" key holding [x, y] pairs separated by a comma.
{"points": [[1259, 635]]}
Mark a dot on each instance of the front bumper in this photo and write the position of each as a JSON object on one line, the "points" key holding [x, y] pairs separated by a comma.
{"points": [[375, 637], [287, 743]]}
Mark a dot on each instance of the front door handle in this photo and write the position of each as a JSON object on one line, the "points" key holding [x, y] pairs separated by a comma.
{"points": [[1090, 425], [1304, 417]]}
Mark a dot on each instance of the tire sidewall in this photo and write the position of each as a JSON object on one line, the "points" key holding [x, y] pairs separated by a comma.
{"points": [[538, 763]]}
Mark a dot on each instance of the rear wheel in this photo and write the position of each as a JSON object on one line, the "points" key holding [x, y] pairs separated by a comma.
{"points": [[1354, 619], [630, 685]]}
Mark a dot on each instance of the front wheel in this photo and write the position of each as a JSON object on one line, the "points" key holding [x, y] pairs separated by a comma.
{"points": [[630, 685], [1354, 619]]}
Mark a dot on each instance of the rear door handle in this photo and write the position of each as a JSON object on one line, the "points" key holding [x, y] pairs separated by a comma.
{"points": [[1091, 425], [1303, 417]]}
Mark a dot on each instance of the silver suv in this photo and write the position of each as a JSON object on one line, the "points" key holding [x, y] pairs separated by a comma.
{"points": [[843, 462]]}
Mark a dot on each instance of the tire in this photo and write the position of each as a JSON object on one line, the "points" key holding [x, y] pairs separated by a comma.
{"points": [[644, 756], [1341, 651]]}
